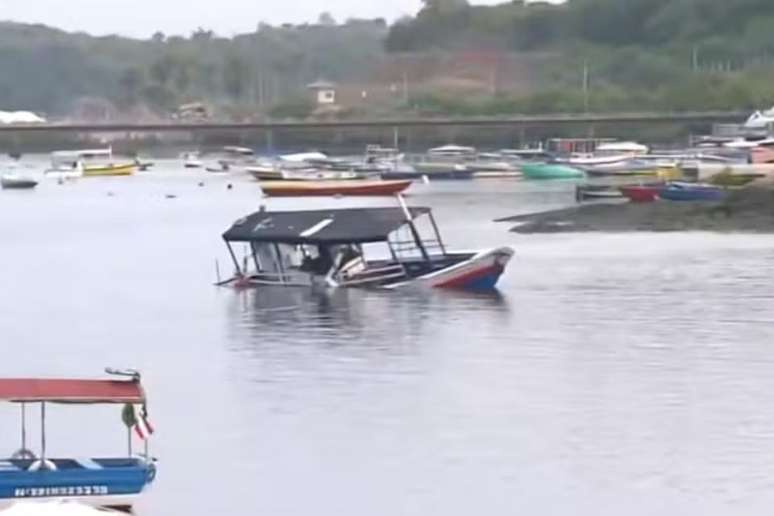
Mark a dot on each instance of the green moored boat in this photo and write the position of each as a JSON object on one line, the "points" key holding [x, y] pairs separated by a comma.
{"points": [[550, 171]]}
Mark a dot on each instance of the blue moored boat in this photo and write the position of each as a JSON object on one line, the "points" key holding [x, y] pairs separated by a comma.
{"points": [[691, 192], [100, 482]]}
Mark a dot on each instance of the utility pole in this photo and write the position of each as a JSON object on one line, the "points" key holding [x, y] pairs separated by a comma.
{"points": [[405, 87], [585, 86]]}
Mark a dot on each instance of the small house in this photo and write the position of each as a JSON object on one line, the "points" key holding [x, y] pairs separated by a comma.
{"points": [[324, 92]]}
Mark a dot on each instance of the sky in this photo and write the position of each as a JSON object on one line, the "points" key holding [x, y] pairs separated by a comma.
{"points": [[141, 18]]}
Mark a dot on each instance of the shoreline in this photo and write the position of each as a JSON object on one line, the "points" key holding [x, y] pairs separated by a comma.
{"points": [[748, 210]]}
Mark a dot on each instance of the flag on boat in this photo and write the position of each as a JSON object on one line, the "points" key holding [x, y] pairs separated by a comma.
{"points": [[136, 418]]}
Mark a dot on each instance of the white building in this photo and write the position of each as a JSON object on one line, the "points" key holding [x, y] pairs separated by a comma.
{"points": [[324, 91], [20, 117]]}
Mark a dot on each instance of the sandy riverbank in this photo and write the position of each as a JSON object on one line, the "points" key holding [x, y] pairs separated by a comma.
{"points": [[750, 209]]}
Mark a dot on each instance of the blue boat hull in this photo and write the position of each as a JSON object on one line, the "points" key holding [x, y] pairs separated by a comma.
{"points": [[687, 194], [100, 482]]}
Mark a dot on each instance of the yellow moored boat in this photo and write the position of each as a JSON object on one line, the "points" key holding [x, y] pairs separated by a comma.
{"points": [[90, 163], [110, 169]]}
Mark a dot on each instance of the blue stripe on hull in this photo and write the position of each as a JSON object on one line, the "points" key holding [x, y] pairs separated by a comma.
{"points": [[487, 282], [23, 484]]}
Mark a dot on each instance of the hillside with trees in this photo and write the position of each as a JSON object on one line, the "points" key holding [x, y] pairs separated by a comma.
{"points": [[452, 58], [609, 54], [49, 70]]}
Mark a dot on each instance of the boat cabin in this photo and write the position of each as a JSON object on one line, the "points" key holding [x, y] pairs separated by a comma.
{"points": [[112, 482], [365, 247]]}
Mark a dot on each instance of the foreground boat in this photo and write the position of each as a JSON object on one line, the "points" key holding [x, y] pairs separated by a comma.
{"points": [[326, 188], [114, 482], [550, 171], [357, 247]]}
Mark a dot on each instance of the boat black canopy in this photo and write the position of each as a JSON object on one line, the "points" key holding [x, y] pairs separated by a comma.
{"points": [[338, 226]]}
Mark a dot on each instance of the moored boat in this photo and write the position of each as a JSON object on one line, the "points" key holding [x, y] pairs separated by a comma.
{"points": [[89, 163], [114, 482], [691, 192], [640, 193], [15, 181], [327, 188], [596, 193], [356, 247], [550, 171]]}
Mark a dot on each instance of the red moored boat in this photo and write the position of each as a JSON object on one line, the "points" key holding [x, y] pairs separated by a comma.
{"points": [[640, 193], [325, 188]]}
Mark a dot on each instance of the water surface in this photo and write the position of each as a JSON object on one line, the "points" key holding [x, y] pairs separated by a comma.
{"points": [[612, 374]]}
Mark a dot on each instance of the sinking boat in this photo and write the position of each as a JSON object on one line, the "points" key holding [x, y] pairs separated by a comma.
{"points": [[108, 482], [390, 248], [328, 188]]}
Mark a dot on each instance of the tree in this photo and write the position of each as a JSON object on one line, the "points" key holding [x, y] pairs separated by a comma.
{"points": [[132, 82], [326, 19], [235, 77]]}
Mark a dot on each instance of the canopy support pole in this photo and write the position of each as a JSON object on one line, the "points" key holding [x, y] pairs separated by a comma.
{"points": [[413, 228], [129, 439], [23, 426], [43, 432], [234, 259], [437, 234]]}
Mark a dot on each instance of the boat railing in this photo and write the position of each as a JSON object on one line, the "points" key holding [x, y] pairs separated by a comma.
{"points": [[406, 246]]}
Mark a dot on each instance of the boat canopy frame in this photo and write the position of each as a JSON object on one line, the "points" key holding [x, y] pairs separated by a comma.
{"points": [[25, 391], [319, 229]]}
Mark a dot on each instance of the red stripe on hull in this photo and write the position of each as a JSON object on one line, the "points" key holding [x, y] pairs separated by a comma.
{"points": [[469, 277]]}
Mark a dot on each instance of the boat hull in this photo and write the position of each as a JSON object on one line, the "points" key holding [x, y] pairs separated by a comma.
{"points": [[640, 193], [543, 171], [18, 184], [125, 169], [329, 188], [692, 194], [479, 273], [97, 482]]}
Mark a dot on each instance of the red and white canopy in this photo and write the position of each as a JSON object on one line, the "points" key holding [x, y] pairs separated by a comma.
{"points": [[25, 390]]}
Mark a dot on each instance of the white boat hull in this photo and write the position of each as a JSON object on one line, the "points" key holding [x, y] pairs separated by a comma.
{"points": [[109, 501]]}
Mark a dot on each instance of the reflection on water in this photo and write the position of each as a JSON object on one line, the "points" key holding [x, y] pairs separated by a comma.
{"points": [[612, 374]]}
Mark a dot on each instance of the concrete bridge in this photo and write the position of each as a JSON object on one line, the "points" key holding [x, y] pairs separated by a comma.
{"points": [[517, 122]]}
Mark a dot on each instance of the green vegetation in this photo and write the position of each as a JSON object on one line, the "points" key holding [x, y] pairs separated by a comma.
{"points": [[595, 55], [637, 54], [55, 72]]}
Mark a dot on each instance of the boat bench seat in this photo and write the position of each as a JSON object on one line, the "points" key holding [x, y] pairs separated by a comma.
{"points": [[71, 464]]}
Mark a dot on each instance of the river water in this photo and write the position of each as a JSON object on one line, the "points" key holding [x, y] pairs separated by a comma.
{"points": [[612, 374]]}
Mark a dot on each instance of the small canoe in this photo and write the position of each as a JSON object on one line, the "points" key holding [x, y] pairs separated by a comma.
{"points": [[550, 171], [14, 182], [691, 192], [596, 192], [118, 169], [326, 188], [732, 179], [640, 193]]}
